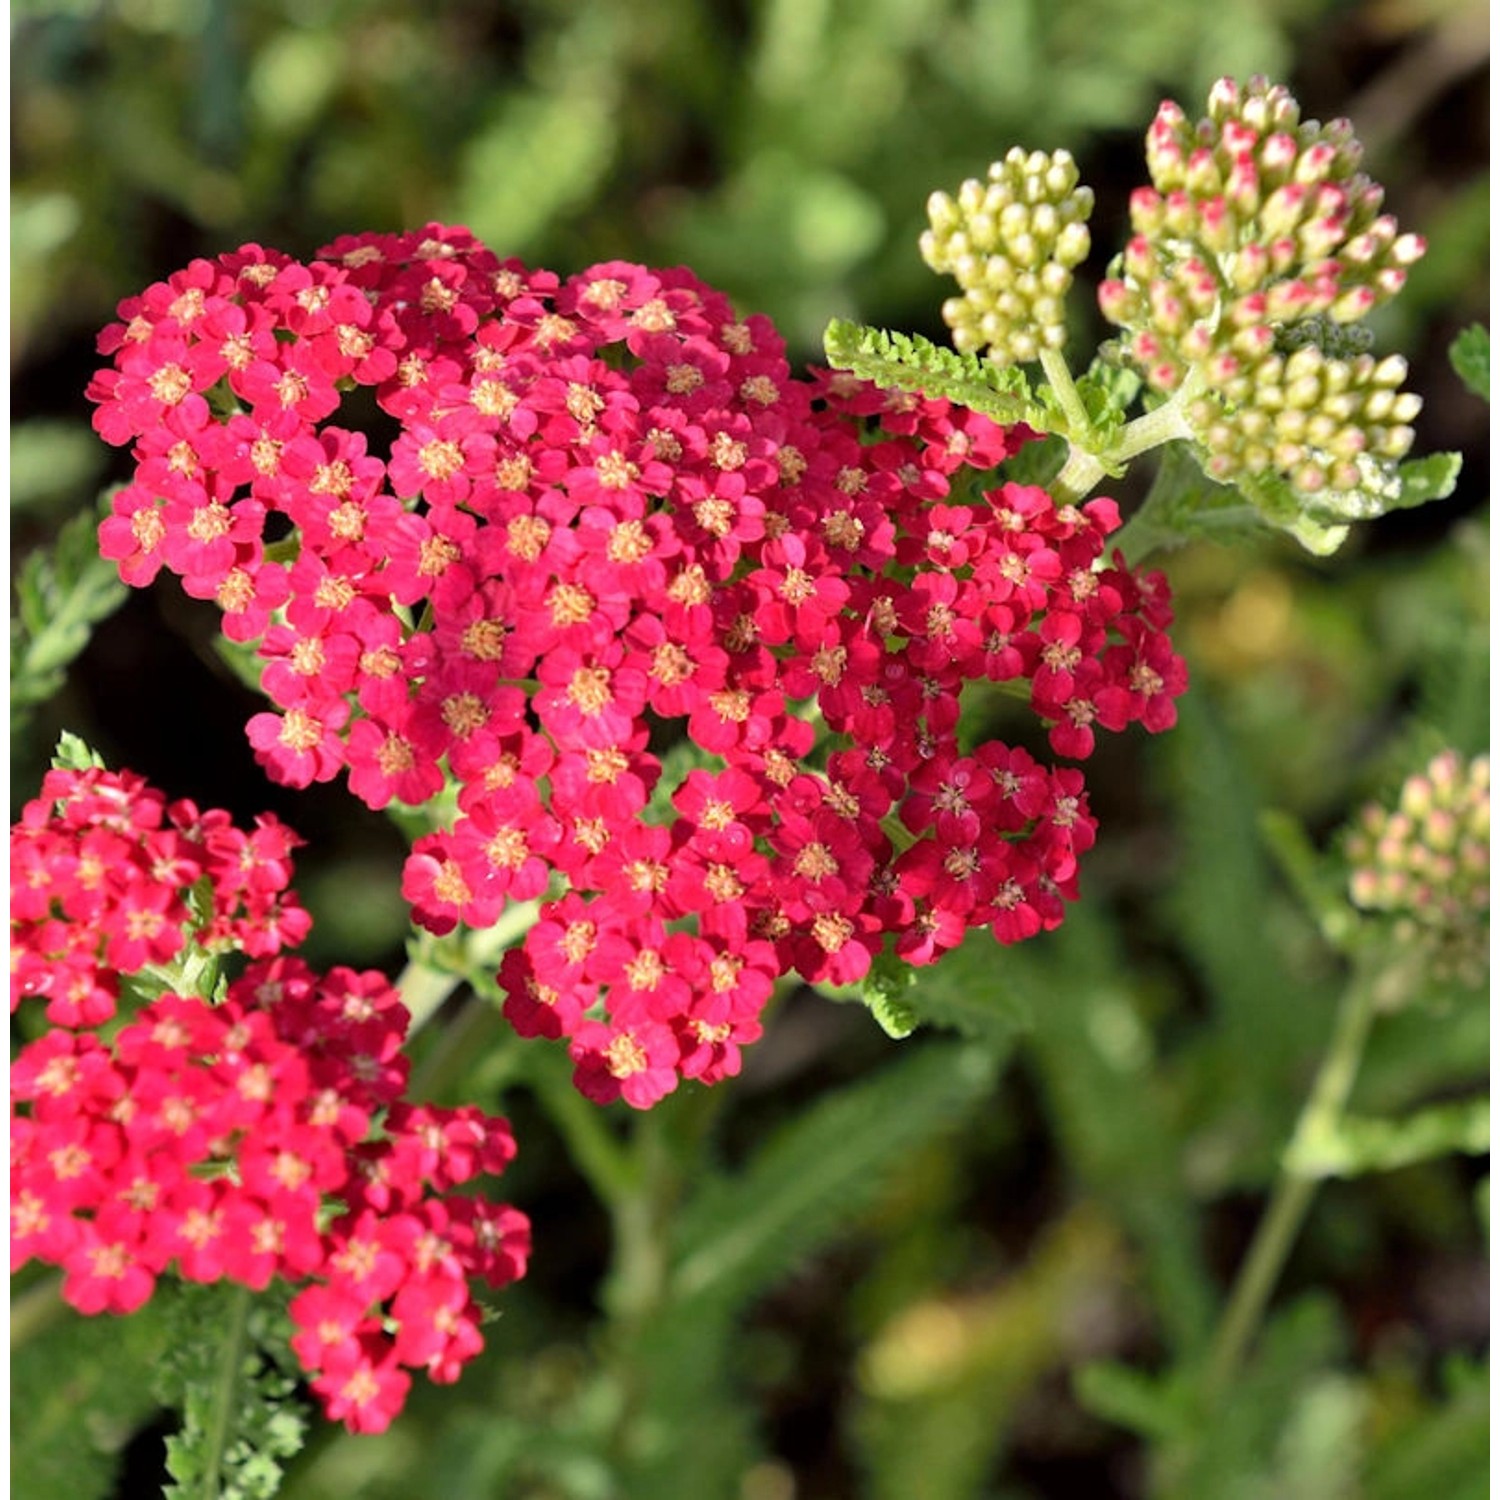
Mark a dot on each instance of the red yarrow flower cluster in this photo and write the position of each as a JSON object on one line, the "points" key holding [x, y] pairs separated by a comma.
{"points": [[107, 878], [265, 1137], [615, 532]]}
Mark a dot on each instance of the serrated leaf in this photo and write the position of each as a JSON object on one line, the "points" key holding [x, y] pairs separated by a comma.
{"points": [[1359, 1144], [61, 594], [894, 1014], [967, 991], [738, 1237], [231, 1374], [1470, 356], [1424, 479], [909, 362], [73, 754]]}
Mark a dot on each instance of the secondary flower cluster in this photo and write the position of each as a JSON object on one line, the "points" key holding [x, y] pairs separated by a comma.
{"points": [[613, 530], [1011, 244], [1257, 221], [265, 1136], [1426, 862], [106, 878]]}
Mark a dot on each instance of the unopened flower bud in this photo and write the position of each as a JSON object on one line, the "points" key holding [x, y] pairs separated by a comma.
{"points": [[1011, 245]]}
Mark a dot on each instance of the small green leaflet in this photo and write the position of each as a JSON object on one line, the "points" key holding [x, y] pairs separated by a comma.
{"points": [[62, 593], [1470, 354], [909, 362]]}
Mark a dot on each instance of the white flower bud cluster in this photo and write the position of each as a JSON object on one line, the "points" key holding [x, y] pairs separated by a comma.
{"points": [[1427, 862], [1011, 243], [1256, 224]]}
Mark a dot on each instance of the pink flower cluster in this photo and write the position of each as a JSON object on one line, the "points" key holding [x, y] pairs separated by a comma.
{"points": [[612, 526], [107, 878], [262, 1137]]}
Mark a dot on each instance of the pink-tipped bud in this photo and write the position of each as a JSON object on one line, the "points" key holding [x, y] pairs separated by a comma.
{"points": [[1282, 212], [1203, 174], [1140, 259], [1223, 99], [1279, 154], [1181, 217], [1390, 280], [1408, 250], [1216, 226], [1147, 212], [1314, 163], [1116, 301]]}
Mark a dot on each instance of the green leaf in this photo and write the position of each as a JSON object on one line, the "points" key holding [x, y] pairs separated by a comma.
{"points": [[909, 362], [62, 593], [1359, 1144], [968, 991], [72, 754], [738, 1237], [1129, 1398], [1425, 479], [1441, 1450], [1286, 1428], [896, 1015], [231, 1373], [1470, 354]]}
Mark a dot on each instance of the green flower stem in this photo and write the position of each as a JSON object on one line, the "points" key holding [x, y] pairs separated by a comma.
{"points": [[599, 1154], [226, 1390], [1153, 428], [1077, 477], [1084, 467], [1295, 1187], [454, 1051], [1060, 378], [424, 984]]}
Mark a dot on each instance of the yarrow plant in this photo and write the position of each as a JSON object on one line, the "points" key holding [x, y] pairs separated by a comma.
{"points": [[676, 665], [614, 535], [260, 1134]]}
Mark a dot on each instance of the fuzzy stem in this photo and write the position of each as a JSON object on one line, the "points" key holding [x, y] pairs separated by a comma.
{"points": [[226, 1391], [1077, 476], [1153, 428], [1060, 378], [1295, 1188]]}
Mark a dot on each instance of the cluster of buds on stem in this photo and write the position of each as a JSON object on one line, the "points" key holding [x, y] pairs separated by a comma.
{"points": [[1011, 243], [1257, 223], [1427, 863]]}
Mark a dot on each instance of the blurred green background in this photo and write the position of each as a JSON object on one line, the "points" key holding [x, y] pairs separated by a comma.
{"points": [[1087, 1192]]}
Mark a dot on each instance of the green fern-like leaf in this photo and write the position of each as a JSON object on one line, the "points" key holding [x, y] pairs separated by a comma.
{"points": [[967, 991], [62, 593], [231, 1375], [740, 1236], [909, 362], [1360, 1144]]}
